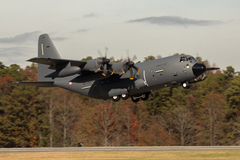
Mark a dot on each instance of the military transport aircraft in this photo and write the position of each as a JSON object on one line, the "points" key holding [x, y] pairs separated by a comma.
{"points": [[98, 78]]}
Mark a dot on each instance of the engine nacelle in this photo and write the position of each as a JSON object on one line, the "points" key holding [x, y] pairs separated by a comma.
{"points": [[202, 77], [68, 71]]}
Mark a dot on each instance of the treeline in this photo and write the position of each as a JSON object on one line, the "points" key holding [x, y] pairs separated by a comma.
{"points": [[205, 114]]}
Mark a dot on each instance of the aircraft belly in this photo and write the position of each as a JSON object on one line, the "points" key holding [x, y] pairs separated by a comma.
{"points": [[87, 88]]}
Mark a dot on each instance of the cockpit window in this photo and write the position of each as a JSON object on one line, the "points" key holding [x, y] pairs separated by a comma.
{"points": [[190, 58], [182, 59]]}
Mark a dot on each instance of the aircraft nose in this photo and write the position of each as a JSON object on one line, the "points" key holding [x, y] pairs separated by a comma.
{"points": [[198, 69]]}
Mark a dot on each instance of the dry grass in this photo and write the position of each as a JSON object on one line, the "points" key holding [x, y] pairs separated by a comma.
{"points": [[126, 155]]}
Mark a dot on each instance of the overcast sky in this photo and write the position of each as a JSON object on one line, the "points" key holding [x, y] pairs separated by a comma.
{"points": [[79, 28]]}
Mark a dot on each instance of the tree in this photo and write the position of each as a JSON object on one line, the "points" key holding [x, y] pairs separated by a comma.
{"points": [[212, 112], [21, 117], [104, 120], [230, 71], [155, 136], [87, 58], [67, 114], [233, 96], [159, 101], [130, 124], [149, 58], [179, 122], [30, 72]]}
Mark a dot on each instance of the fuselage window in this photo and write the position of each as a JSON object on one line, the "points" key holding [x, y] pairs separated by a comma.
{"points": [[190, 59]]}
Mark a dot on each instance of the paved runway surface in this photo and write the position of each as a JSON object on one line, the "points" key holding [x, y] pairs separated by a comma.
{"points": [[93, 149]]}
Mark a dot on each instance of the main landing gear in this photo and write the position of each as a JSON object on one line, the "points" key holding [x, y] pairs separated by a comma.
{"points": [[135, 99], [143, 97], [116, 98]]}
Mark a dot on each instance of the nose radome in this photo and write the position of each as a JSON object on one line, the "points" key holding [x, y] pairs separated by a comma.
{"points": [[198, 69]]}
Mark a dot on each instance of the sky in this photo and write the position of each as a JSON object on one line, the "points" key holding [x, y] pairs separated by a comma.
{"points": [[79, 28]]}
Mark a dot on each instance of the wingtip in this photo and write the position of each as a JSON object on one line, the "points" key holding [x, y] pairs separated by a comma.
{"points": [[15, 82]]}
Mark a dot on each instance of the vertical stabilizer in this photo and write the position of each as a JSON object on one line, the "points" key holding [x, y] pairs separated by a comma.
{"points": [[46, 49]]}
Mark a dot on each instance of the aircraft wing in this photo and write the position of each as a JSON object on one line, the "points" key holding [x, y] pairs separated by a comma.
{"points": [[54, 62]]}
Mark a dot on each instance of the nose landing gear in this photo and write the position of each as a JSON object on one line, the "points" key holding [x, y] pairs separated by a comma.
{"points": [[186, 85]]}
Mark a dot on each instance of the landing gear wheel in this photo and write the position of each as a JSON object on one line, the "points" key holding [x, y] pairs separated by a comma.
{"points": [[186, 85], [145, 96], [125, 96], [116, 98], [135, 99]]}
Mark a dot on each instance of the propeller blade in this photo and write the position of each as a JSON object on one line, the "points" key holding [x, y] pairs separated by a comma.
{"points": [[109, 66], [131, 72], [99, 52], [106, 50], [105, 69], [134, 58], [111, 58], [136, 69]]}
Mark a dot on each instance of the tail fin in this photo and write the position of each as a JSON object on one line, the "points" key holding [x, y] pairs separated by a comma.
{"points": [[46, 49]]}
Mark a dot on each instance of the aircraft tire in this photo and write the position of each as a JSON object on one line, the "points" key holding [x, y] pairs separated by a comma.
{"points": [[135, 100], [145, 96], [186, 85], [125, 96], [116, 98]]}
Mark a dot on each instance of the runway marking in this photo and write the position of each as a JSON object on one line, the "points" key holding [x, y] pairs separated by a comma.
{"points": [[92, 149]]}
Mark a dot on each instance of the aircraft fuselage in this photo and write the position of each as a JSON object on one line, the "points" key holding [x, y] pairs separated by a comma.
{"points": [[155, 74]]}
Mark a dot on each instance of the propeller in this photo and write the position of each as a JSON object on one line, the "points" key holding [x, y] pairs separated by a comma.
{"points": [[105, 62], [130, 65]]}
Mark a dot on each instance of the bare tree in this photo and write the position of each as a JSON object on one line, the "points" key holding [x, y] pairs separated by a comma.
{"points": [[213, 106], [181, 121], [65, 106], [104, 120], [50, 106]]}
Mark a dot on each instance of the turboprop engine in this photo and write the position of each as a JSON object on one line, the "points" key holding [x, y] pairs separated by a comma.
{"points": [[199, 78]]}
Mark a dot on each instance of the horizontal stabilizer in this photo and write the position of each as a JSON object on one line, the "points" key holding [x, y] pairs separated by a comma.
{"points": [[36, 83], [54, 62]]}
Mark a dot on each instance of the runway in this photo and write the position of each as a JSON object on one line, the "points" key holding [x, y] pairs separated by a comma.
{"points": [[95, 149]]}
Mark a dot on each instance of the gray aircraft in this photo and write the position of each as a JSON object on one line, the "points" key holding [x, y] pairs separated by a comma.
{"points": [[98, 78]]}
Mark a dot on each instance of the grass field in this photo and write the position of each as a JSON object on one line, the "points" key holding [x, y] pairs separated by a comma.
{"points": [[126, 155]]}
